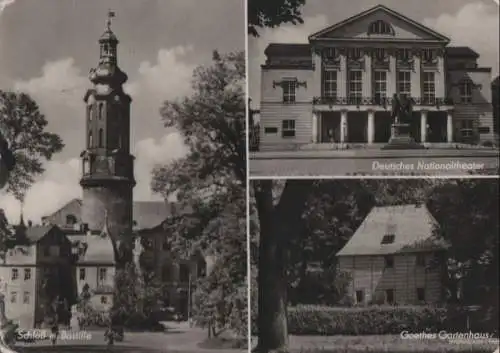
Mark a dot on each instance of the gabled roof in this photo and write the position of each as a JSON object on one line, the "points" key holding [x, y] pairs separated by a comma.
{"points": [[36, 233], [412, 225], [462, 52], [372, 10]]}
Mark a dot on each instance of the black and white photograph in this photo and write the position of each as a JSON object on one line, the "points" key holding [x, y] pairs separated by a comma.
{"points": [[373, 87], [123, 176], [375, 265]]}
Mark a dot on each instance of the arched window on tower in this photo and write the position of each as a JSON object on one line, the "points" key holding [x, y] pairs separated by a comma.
{"points": [[90, 142], [89, 113], [380, 27], [101, 110], [101, 142]]}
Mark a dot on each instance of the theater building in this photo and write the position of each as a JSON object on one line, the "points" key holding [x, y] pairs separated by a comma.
{"points": [[338, 88]]}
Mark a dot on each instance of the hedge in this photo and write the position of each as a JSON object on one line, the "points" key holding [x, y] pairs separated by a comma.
{"points": [[373, 320]]}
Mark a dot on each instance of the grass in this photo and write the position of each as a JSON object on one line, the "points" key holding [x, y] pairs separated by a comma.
{"points": [[385, 344], [222, 343]]}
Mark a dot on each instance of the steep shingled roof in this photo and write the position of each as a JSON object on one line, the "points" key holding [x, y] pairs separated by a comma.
{"points": [[412, 226]]}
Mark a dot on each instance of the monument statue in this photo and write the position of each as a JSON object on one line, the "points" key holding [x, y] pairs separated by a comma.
{"points": [[402, 109], [402, 113]]}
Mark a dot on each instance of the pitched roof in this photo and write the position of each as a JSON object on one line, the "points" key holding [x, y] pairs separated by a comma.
{"points": [[464, 52], [99, 251], [386, 10], [412, 225], [35, 233], [147, 214], [288, 50]]}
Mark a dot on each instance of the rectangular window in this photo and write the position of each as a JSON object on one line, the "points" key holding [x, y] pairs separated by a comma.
{"points": [[404, 83], [82, 274], [389, 296], [421, 294], [466, 91], [288, 128], [13, 297], [330, 83], [15, 274], [289, 90], [102, 274], [467, 128], [104, 299], [355, 86], [388, 239], [360, 296], [27, 274], [183, 273], [389, 261], [26, 297], [270, 130], [380, 85], [429, 87], [420, 260]]}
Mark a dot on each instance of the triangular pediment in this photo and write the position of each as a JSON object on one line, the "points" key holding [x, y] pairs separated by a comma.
{"points": [[358, 28]]}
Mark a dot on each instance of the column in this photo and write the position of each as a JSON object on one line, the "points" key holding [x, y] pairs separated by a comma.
{"points": [[367, 75], [318, 68], [440, 76], [371, 126], [343, 126], [342, 76], [449, 126], [423, 126], [314, 128], [416, 76], [391, 80]]}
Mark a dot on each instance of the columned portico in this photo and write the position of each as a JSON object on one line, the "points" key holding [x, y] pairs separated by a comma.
{"points": [[449, 126], [315, 128], [423, 126], [343, 126], [371, 126]]}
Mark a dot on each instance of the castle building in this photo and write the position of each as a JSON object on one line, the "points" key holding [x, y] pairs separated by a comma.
{"points": [[74, 242], [393, 258], [339, 87]]}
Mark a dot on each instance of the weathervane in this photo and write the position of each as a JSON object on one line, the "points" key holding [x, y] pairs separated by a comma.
{"points": [[111, 14]]}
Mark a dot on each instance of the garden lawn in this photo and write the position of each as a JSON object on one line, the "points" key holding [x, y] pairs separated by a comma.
{"points": [[383, 344]]}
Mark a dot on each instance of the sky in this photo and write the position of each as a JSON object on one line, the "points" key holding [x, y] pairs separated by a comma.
{"points": [[47, 48], [471, 23]]}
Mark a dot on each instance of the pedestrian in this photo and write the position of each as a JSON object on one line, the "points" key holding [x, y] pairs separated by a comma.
{"points": [[109, 335], [55, 332]]}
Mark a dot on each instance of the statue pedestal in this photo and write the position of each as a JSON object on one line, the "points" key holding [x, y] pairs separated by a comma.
{"points": [[401, 138]]}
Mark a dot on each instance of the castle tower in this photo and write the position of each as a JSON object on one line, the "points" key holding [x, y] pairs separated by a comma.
{"points": [[108, 166]]}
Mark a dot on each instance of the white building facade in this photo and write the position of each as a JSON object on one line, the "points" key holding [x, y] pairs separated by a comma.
{"points": [[338, 88]]}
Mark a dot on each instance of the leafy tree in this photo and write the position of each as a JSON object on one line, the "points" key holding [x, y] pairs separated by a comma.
{"points": [[209, 182], [265, 13], [125, 296], [467, 212], [279, 221], [24, 127]]}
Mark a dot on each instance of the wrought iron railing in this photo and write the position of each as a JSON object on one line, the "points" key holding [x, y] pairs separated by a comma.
{"points": [[381, 101]]}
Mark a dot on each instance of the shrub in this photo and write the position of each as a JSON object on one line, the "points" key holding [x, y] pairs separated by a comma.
{"points": [[488, 144], [376, 320]]}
